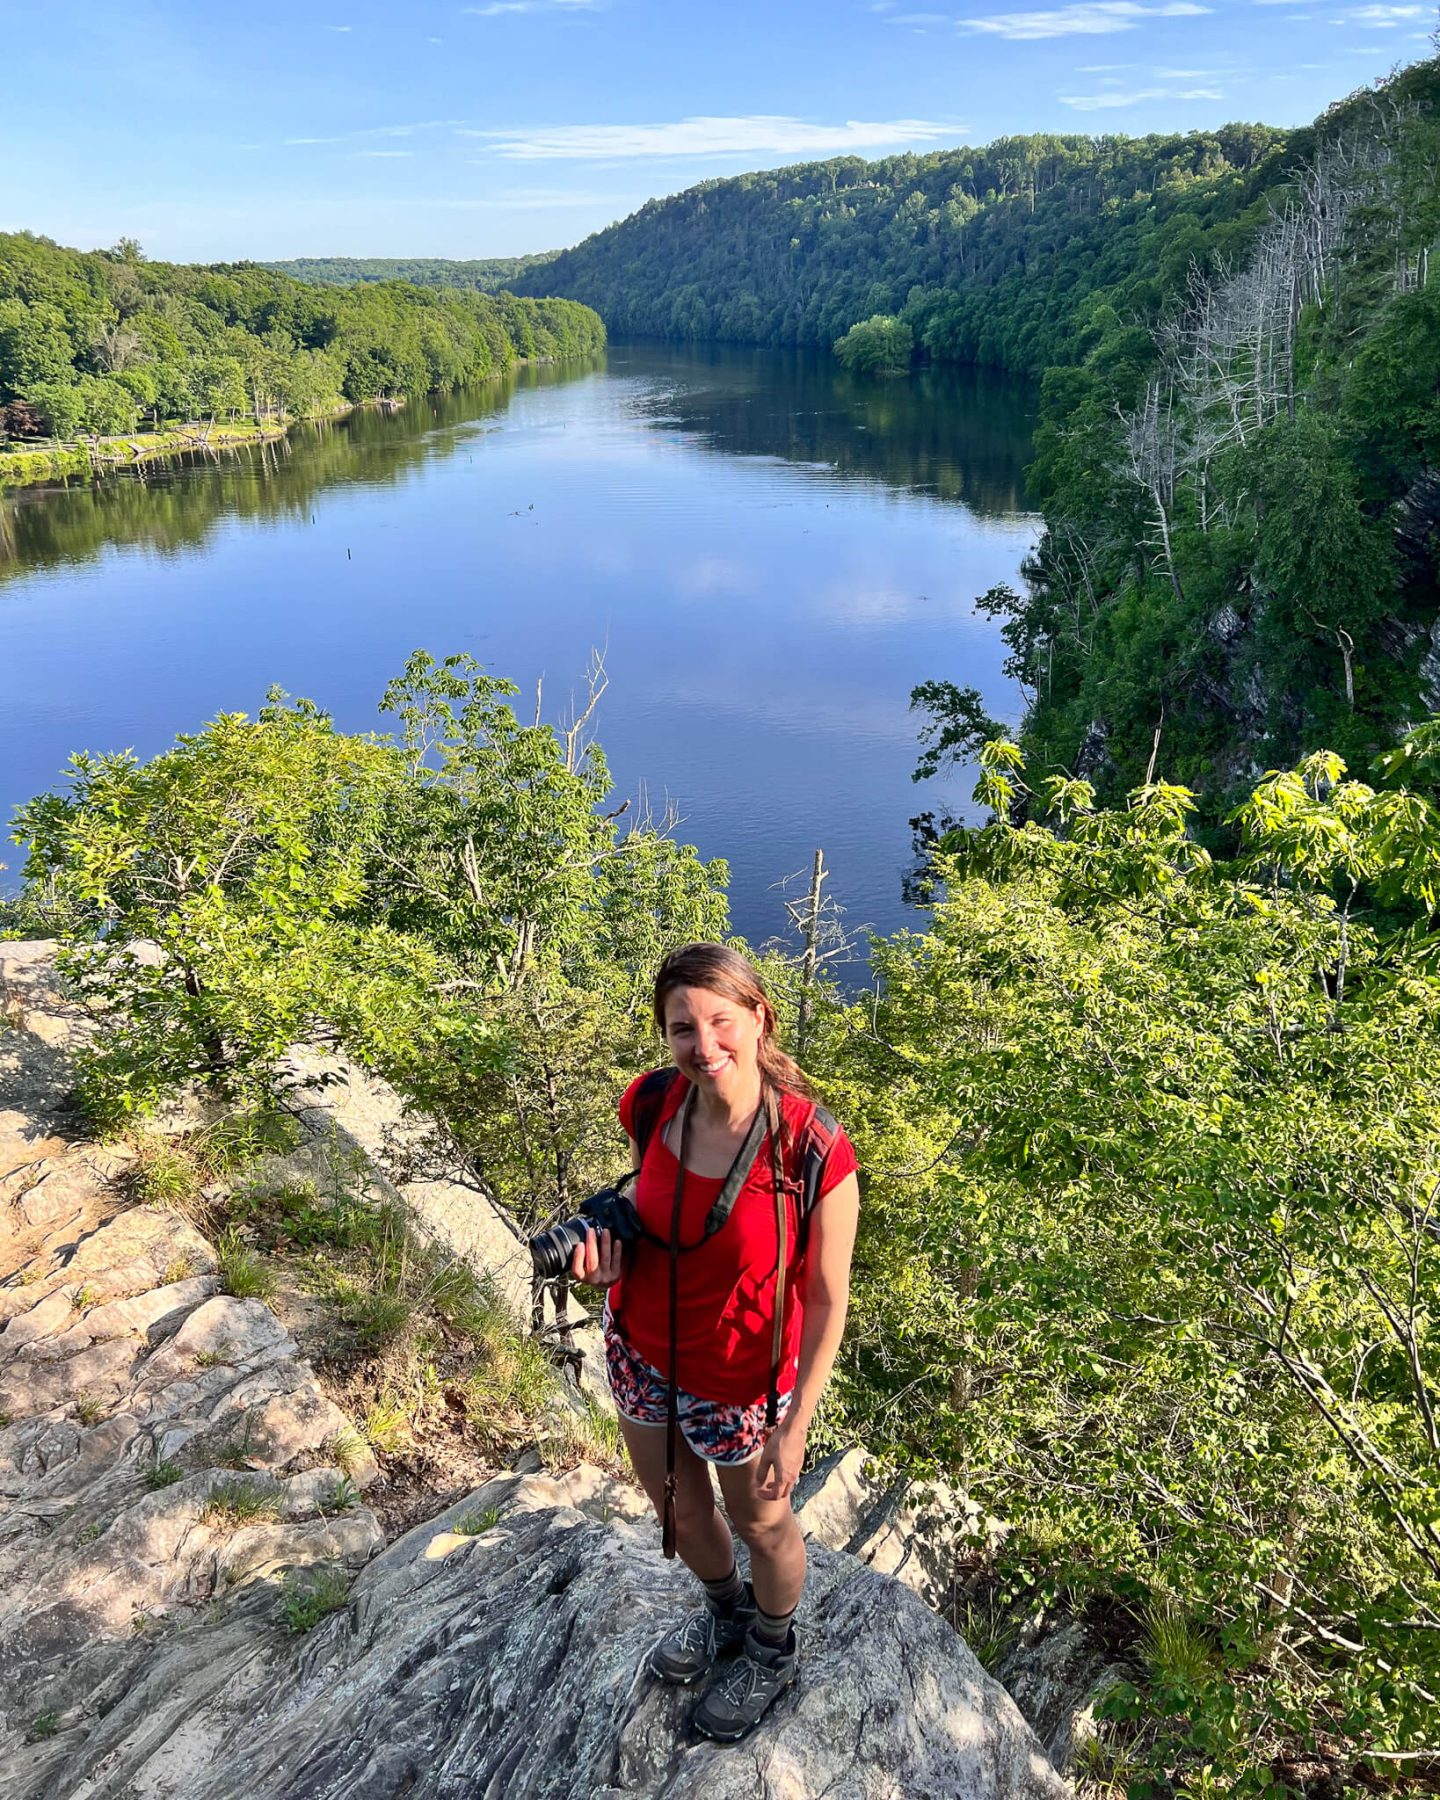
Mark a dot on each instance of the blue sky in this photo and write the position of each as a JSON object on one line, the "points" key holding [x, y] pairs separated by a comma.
{"points": [[376, 127]]}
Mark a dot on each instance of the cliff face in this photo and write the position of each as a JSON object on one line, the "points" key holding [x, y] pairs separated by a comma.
{"points": [[196, 1602]]}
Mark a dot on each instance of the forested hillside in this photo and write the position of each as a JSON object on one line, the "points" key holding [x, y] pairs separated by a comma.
{"points": [[1242, 555], [1240, 343], [998, 255], [484, 275], [93, 341]]}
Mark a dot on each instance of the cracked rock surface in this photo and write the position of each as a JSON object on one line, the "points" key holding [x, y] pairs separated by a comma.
{"points": [[168, 1472]]}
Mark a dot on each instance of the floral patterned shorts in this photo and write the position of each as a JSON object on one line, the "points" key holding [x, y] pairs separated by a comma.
{"points": [[714, 1429]]}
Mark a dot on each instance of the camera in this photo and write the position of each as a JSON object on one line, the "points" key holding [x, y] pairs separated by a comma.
{"points": [[609, 1210]]}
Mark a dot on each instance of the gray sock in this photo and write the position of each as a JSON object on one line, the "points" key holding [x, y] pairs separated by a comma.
{"points": [[724, 1595], [773, 1629]]}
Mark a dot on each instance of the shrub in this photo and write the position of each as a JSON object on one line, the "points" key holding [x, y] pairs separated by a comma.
{"points": [[879, 345]]}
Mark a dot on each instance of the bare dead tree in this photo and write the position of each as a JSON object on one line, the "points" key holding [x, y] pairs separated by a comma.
{"points": [[1150, 439]]}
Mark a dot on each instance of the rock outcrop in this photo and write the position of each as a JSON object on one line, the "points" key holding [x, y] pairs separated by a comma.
{"points": [[197, 1604], [509, 1662]]}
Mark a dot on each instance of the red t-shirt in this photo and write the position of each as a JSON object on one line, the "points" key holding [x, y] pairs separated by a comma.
{"points": [[726, 1310]]}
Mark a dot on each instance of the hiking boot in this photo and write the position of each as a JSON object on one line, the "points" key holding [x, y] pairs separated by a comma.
{"points": [[684, 1654], [742, 1696]]}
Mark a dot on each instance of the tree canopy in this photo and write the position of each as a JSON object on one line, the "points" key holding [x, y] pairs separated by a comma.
{"points": [[93, 341]]}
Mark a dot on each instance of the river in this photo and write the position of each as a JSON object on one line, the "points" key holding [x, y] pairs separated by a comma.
{"points": [[770, 553]]}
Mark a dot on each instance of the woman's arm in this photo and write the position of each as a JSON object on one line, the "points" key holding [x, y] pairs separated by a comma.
{"points": [[827, 1296]]}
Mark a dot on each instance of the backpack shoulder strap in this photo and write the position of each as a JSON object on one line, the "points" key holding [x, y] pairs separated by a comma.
{"points": [[649, 1103], [815, 1141]]}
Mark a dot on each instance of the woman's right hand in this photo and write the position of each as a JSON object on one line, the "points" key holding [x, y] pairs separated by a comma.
{"points": [[597, 1261]]}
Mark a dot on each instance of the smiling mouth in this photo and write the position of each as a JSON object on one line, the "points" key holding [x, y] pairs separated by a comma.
{"points": [[712, 1068]]}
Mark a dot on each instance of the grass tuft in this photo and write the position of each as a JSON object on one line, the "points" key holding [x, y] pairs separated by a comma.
{"points": [[387, 1427], [989, 1634], [340, 1496], [163, 1475], [473, 1523], [347, 1449], [236, 1503], [44, 1725], [89, 1410], [1175, 1654], [238, 1140], [164, 1172], [242, 1272], [313, 1595]]}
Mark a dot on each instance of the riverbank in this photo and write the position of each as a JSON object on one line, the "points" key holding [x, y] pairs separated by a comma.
{"points": [[32, 468]]}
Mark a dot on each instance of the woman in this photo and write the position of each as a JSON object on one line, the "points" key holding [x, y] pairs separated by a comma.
{"points": [[705, 1366]]}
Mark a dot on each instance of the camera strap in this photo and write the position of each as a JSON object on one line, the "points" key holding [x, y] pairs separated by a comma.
{"points": [[672, 1399], [777, 1173]]}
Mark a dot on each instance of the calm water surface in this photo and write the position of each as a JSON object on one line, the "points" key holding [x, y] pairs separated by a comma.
{"points": [[770, 552]]}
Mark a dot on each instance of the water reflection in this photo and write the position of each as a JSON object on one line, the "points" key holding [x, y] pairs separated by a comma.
{"points": [[959, 434], [175, 506]]}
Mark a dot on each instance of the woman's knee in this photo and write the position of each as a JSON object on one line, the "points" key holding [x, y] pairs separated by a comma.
{"points": [[694, 1517], [769, 1534]]}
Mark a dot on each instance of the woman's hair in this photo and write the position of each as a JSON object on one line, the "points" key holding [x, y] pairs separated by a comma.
{"points": [[722, 971]]}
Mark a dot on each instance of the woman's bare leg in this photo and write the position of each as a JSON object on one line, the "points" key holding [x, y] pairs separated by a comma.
{"points": [[702, 1538], [770, 1531]]}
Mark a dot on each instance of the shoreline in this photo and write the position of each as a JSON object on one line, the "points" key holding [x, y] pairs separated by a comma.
{"points": [[88, 457], [95, 456]]}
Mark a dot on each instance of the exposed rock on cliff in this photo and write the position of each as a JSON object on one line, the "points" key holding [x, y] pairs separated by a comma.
{"points": [[508, 1663], [197, 1604]]}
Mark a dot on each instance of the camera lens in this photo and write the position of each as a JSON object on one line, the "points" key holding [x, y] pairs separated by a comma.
{"points": [[550, 1251]]}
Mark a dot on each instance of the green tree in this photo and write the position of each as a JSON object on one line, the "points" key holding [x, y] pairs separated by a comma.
{"points": [[61, 405], [35, 348], [878, 345]]}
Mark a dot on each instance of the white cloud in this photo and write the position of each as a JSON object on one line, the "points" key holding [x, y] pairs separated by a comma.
{"points": [[1379, 18], [758, 135], [374, 131], [495, 7], [1094, 102], [1083, 18], [339, 27]]}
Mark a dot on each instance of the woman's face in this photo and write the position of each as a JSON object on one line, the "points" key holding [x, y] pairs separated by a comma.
{"points": [[714, 1040]]}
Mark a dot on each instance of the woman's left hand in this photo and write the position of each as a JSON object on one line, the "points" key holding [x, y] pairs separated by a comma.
{"points": [[781, 1460]]}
